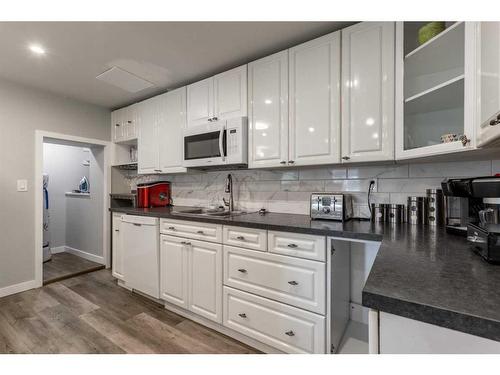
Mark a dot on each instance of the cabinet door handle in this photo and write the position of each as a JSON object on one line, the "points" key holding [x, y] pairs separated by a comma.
{"points": [[215, 118], [117, 230], [117, 124], [171, 228], [292, 246], [290, 333], [200, 232], [186, 243], [241, 238], [129, 122], [242, 270], [137, 224], [293, 283], [282, 162], [291, 161], [210, 120], [346, 157], [243, 315]]}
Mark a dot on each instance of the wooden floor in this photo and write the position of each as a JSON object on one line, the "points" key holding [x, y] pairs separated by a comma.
{"points": [[91, 314], [64, 265]]}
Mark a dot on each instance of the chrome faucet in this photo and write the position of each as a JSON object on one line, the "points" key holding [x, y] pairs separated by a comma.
{"points": [[229, 190]]}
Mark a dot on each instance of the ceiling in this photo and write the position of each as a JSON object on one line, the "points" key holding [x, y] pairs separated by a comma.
{"points": [[168, 54]]}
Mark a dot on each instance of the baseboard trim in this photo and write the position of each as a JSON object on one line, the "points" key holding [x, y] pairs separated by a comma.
{"points": [[18, 288], [85, 255], [58, 249]]}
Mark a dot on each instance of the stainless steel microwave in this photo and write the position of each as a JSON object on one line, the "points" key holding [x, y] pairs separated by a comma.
{"points": [[220, 143]]}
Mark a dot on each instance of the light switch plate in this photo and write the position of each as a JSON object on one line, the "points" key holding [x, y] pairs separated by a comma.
{"points": [[22, 185]]}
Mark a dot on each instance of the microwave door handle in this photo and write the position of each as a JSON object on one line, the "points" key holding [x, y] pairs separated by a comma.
{"points": [[221, 145]]}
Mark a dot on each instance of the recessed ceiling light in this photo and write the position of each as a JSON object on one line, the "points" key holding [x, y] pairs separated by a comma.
{"points": [[37, 49]]}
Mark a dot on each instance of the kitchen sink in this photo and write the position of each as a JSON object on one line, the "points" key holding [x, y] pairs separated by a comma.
{"points": [[207, 212]]}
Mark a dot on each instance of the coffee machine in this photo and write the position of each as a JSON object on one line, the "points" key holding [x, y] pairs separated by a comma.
{"points": [[473, 210]]}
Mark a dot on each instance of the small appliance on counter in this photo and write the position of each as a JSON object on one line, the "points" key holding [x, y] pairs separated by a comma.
{"points": [[154, 194], [465, 198], [331, 206], [123, 200], [485, 241]]}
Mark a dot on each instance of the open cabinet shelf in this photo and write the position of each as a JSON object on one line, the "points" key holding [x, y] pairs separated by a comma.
{"points": [[439, 60], [447, 95]]}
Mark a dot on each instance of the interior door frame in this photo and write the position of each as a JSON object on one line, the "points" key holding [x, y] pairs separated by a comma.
{"points": [[40, 136]]}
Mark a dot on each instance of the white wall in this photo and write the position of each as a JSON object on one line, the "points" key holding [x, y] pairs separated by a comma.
{"points": [[22, 111], [84, 228]]}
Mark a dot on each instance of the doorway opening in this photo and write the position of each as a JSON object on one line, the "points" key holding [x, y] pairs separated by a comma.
{"points": [[72, 221]]}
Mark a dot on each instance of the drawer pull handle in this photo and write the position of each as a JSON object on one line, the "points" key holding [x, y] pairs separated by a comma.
{"points": [[200, 232], [171, 228], [243, 315], [290, 333], [293, 283], [292, 246], [186, 243], [117, 230], [241, 238], [242, 270]]}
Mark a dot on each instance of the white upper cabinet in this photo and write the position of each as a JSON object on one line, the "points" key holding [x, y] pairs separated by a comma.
{"points": [[124, 124], [172, 122], [200, 102], [436, 105], [230, 93], [268, 111], [218, 98], [147, 145], [315, 101], [368, 92], [162, 120], [116, 125], [488, 55]]}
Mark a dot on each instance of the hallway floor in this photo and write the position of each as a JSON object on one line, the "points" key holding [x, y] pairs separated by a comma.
{"points": [[65, 265], [91, 314]]}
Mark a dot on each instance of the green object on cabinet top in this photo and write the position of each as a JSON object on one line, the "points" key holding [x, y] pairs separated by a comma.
{"points": [[429, 31]]}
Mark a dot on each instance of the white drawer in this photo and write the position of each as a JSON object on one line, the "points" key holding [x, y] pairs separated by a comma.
{"points": [[192, 230], [255, 239], [298, 282], [297, 245], [286, 328]]}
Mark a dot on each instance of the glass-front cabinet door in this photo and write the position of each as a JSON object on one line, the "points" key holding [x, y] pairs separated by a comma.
{"points": [[435, 88]]}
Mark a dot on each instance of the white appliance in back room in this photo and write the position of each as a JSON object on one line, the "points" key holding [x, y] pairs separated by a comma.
{"points": [[47, 255]]}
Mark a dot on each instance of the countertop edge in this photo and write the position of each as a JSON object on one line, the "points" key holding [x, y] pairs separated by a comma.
{"points": [[376, 237]]}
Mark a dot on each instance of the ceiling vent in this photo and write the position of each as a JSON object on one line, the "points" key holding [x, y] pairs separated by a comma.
{"points": [[124, 80]]}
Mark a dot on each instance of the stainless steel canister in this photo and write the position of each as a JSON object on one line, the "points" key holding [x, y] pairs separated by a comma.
{"points": [[416, 208], [378, 212], [435, 207], [395, 213]]}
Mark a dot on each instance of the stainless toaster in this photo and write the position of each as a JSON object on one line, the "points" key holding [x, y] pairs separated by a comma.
{"points": [[331, 206]]}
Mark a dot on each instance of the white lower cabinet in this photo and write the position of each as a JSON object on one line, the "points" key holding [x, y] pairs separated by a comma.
{"points": [[173, 271], [281, 326], [294, 281], [399, 335], [254, 239], [297, 245], [117, 247], [191, 275]]}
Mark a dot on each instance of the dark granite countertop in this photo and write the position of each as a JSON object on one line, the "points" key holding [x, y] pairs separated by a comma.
{"points": [[420, 272]]}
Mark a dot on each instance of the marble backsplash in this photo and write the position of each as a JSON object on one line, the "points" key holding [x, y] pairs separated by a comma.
{"points": [[288, 190]]}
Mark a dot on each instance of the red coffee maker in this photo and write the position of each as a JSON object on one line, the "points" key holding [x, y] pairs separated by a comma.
{"points": [[154, 194]]}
